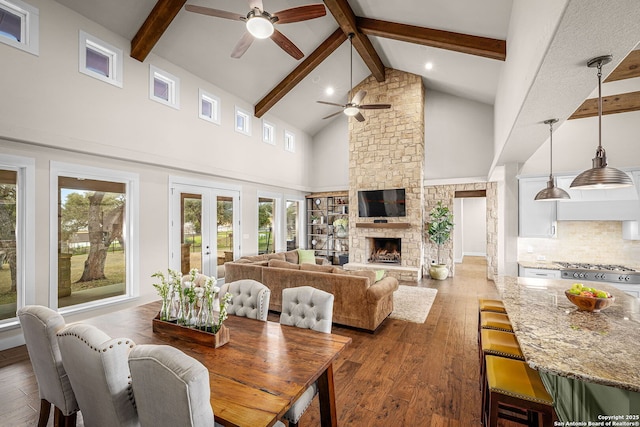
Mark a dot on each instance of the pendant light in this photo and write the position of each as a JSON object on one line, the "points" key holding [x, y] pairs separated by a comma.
{"points": [[551, 192], [600, 176]]}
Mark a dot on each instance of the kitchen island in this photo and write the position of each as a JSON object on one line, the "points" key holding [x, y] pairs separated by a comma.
{"points": [[590, 362]]}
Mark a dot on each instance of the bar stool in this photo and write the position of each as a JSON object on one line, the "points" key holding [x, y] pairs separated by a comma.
{"points": [[512, 384], [497, 343], [491, 305], [497, 321]]}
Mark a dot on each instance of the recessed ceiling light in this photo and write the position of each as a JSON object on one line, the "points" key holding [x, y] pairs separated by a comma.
{"points": [[329, 91], [428, 66]]}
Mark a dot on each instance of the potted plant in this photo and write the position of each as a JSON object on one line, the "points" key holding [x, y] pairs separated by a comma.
{"points": [[439, 230]]}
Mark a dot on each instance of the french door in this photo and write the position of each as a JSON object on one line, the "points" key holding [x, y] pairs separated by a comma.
{"points": [[204, 227]]}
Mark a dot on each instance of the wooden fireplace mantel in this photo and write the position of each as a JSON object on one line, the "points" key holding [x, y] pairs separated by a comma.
{"points": [[382, 225]]}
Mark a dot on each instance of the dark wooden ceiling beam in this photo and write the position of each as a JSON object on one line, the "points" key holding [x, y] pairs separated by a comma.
{"points": [[621, 103], [154, 26], [628, 68], [301, 71], [346, 19], [464, 43]]}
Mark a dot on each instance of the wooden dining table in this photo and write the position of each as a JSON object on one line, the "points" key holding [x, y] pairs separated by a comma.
{"points": [[255, 377]]}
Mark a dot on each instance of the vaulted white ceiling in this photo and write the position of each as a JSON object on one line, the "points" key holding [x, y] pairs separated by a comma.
{"points": [[202, 45]]}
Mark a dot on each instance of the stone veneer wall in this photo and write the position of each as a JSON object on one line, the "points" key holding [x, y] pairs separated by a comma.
{"points": [[387, 151], [583, 241], [446, 194]]}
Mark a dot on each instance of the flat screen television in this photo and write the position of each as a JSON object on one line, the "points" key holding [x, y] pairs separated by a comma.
{"points": [[381, 203]]}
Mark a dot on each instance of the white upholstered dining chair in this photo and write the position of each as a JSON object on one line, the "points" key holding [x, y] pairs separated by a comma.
{"points": [[99, 373], [39, 326], [249, 299], [171, 388], [308, 308]]}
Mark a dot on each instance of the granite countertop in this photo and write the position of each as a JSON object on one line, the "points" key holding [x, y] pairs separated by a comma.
{"points": [[546, 265], [556, 337]]}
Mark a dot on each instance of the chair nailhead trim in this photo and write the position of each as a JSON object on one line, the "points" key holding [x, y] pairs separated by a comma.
{"points": [[520, 396]]}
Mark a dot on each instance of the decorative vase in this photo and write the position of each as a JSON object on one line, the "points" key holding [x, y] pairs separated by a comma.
{"points": [[192, 317], [210, 319], [201, 318], [341, 231], [165, 310], [181, 311], [438, 271]]}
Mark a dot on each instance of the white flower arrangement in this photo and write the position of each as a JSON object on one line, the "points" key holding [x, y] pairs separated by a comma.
{"points": [[341, 222], [196, 288]]}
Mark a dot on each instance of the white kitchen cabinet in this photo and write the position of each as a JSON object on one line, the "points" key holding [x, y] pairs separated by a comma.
{"points": [[633, 290], [630, 230], [594, 195], [620, 204], [612, 210], [540, 273], [535, 218]]}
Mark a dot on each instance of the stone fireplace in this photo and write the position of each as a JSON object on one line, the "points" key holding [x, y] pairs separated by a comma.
{"points": [[386, 151], [385, 250]]}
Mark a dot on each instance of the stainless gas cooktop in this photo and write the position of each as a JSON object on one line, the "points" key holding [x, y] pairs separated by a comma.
{"points": [[599, 272]]}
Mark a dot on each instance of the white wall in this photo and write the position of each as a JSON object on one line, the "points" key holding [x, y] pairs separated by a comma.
{"points": [[49, 111], [330, 156], [53, 104], [458, 137], [470, 231], [474, 224], [458, 232]]}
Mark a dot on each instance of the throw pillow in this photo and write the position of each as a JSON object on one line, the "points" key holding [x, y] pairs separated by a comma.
{"points": [[291, 256], [283, 264], [315, 267], [306, 256], [277, 255], [379, 274]]}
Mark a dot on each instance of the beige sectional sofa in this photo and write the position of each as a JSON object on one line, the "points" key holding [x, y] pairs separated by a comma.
{"points": [[359, 300]]}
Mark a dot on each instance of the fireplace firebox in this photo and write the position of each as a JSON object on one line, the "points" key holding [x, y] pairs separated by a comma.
{"points": [[385, 250]]}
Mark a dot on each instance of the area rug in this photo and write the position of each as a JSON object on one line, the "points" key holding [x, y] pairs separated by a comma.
{"points": [[412, 304]]}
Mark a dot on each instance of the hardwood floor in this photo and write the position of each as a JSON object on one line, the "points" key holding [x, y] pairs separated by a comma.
{"points": [[406, 374]]}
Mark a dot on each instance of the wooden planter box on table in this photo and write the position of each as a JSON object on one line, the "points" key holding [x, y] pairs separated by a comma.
{"points": [[173, 330]]}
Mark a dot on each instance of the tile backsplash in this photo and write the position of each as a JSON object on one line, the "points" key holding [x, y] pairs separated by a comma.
{"points": [[583, 241]]}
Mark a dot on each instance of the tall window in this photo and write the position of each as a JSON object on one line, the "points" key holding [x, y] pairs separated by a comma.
{"points": [[94, 239], [191, 219], [19, 24], [8, 259], [17, 224], [293, 224], [266, 225]]}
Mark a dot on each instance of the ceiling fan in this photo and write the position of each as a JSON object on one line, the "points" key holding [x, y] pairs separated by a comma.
{"points": [[260, 24], [352, 108]]}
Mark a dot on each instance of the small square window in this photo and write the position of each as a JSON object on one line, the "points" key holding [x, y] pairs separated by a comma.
{"points": [[11, 25], [243, 121], [289, 141], [268, 132], [19, 25], [164, 87], [209, 107], [100, 60]]}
